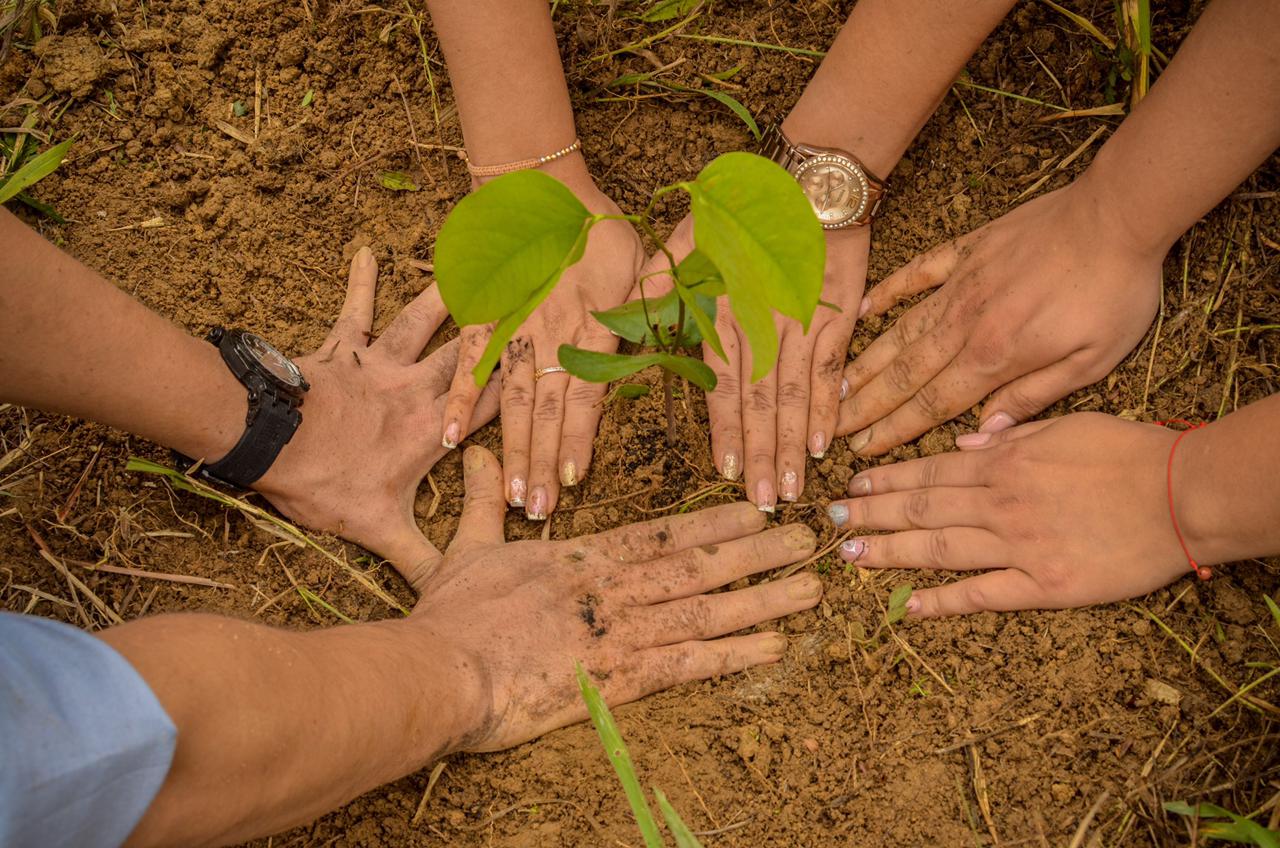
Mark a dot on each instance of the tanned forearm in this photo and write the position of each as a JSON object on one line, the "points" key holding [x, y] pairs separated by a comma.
{"points": [[886, 73], [71, 342], [1208, 122], [276, 728]]}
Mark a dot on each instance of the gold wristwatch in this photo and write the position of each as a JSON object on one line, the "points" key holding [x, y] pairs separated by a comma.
{"points": [[843, 192]]}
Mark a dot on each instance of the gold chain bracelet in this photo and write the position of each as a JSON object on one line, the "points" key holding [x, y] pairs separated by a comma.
{"points": [[521, 165]]}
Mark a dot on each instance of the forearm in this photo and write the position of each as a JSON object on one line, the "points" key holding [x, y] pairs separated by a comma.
{"points": [[75, 344], [505, 70], [276, 728], [1207, 123], [886, 73], [1226, 484]]}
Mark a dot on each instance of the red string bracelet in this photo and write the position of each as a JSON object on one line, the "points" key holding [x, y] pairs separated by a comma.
{"points": [[1204, 572]]}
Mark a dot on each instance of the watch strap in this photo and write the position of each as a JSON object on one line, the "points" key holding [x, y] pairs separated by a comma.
{"points": [[264, 437], [775, 145]]}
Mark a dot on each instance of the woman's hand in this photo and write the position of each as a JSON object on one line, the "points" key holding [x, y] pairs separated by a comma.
{"points": [[1034, 305], [549, 422], [510, 621], [371, 423], [762, 430], [1059, 513]]}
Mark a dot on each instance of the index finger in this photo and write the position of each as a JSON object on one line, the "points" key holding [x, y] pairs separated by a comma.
{"points": [[968, 468], [663, 536]]}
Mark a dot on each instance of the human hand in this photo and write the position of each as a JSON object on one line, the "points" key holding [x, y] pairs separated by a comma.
{"points": [[371, 423], [1034, 305], [1064, 513], [762, 429], [630, 604], [549, 422]]}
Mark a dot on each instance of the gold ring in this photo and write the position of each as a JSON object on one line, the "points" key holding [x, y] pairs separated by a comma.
{"points": [[550, 369]]}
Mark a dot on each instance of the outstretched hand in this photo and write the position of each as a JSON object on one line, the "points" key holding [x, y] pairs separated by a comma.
{"points": [[371, 423], [762, 430], [1036, 304], [1060, 513], [630, 604]]}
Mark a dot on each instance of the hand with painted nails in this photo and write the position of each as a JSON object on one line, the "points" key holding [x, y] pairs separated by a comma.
{"points": [[1055, 514], [630, 604], [549, 418], [762, 430], [371, 423], [1036, 304]]}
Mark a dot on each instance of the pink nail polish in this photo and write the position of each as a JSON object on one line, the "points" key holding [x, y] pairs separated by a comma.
{"points": [[852, 550], [764, 496], [864, 307], [996, 423], [972, 440], [537, 509], [818, 445], [452, 435], [517, 492], [844, 389], [913, 605]]}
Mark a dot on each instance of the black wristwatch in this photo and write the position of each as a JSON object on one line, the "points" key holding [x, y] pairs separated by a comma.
{"points": [[276, 389]]}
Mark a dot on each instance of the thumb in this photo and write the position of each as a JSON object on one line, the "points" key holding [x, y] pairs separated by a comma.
{"points": [[412, 555], [926, 271], [1032, 393], [485, 507]]}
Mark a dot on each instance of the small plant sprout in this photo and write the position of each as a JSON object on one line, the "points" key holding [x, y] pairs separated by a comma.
{"points": [[620, 757], [1214, 822], [898, 603], [504, 247]]}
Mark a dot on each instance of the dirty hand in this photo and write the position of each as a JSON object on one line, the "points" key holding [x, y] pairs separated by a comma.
{"points": [[371, 423], [630, 604], [761, 430], [1032, 306], [549, 422], [1064, 513]]}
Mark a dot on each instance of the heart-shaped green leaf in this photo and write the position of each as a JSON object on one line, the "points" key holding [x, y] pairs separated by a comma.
{"points": [[606, 367], [635, 319]]}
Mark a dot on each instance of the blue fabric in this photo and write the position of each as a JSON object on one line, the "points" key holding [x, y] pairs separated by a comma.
{"points": [[84, 744]]}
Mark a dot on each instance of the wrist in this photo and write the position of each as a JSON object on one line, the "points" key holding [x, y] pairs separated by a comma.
{"points": [[215, 407], [454, 691], [1204, 515], [1106, 195], [876, 150]]}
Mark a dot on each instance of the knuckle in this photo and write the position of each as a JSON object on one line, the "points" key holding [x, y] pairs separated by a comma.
{"points": [[759, 401], [937, 548], [899, 375], [515, 393], [929, 402], [548, 408], [695, 616], [928, 472], [1053, 577], [975, 597], [916, 509], [989, 352], [793, 394]]}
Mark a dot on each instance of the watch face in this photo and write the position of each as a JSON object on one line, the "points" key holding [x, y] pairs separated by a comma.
{"points": [[836, 188], [275, 362]]}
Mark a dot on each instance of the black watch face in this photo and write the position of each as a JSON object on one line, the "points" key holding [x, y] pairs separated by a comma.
{"points": [[276, 363]]}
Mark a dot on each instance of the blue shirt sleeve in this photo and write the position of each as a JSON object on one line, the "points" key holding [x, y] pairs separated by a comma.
{"points": [[84, 743]]}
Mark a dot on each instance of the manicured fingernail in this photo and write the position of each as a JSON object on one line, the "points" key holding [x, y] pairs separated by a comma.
{"points": [[860, 440], [775, 644], [537, 509], [844, 389], [804, 588], [860, 486], [996, 423], [913, 605], [364, 257], [839, 514], [452, 434], [764, 496], [864, 307], [517, 492], [972, 440], [818, 445], [569, 473], [730, 467], [852, 550], [790, 486]]}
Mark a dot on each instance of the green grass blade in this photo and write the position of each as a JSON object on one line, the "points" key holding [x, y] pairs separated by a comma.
{"points": [[738, 109], [36, 168], [684, 836], [620, 757]]}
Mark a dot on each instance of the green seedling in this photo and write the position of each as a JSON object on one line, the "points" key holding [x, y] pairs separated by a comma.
{"points": [[649, 82], [898, 604], [1214, 822], [21, 167], [620, 758], [504, 248]]}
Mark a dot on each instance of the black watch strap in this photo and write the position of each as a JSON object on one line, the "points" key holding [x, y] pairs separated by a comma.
{"points": [[267, 434]]}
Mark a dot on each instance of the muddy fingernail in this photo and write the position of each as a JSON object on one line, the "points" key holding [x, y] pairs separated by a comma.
{"points": [[804, 588], [859, 486], [775, 644], [818, 445], [864, 307], [537, 509], [972, 440], [996, 423], [790, 486], [764, 496], [839, 514], [844, 389], [852, 550], [800, 538], [569, 473], [364, 257], [517, 492], [452, 434], [730, 467], [860, 440]]}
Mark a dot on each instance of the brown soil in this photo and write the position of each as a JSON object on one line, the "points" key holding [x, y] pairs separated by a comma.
{"points": [[1092, 712]]}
